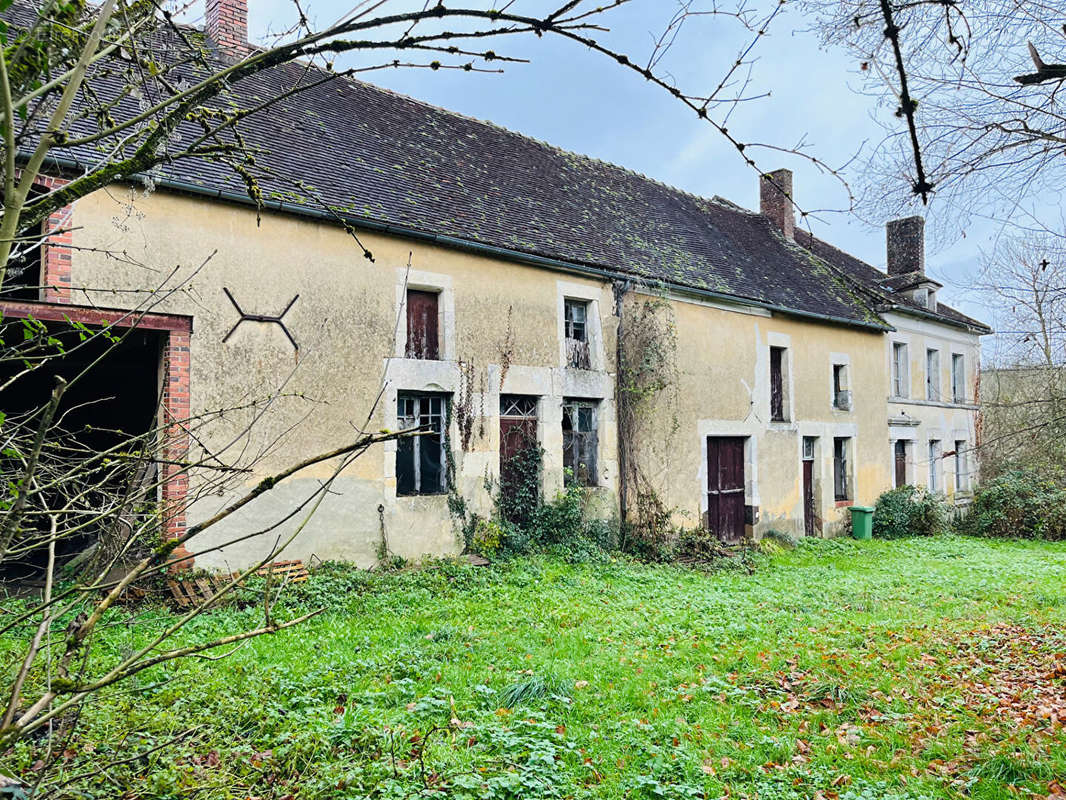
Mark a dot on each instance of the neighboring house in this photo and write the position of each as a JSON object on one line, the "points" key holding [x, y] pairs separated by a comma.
{"points": [[502, 270]]}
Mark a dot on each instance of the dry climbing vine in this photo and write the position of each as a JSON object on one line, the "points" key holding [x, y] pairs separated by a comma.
{"points": [[647, 410], [466, 414]]}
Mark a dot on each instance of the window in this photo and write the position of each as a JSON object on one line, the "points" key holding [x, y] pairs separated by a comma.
{"points": [[841, 480], [420, 459], [777, 384], [932, 374], [580, 441], [934, 465], [423, 337], [808, 447], [962, 482], [900, 371], [841, 393], [958, 378], [576, 327]]}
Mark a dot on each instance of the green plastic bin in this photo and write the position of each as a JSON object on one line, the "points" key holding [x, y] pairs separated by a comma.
{"points": [[862, 521]]}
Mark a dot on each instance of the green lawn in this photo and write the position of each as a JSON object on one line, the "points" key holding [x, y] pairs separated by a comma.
{"points": [[914, 668]]}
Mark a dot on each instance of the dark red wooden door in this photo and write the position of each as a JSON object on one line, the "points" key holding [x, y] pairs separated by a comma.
{"points": [[725, 487], [519, 477], [901, 462], [422, 334], [810, 516]]}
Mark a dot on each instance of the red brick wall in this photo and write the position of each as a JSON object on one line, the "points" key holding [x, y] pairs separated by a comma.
{"points": [[176, 411], [56, 247], [227, 24]]}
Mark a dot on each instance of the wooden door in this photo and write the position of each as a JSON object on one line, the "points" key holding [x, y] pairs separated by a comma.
{"points": [[519, 485], [725, 487], [901, 462], [810, 514]]}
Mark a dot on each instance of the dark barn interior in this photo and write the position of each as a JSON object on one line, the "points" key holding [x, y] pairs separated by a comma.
{"points": [[112, 396]]}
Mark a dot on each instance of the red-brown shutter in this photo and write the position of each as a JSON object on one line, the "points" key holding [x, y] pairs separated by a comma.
{"points": [[422, 335]]}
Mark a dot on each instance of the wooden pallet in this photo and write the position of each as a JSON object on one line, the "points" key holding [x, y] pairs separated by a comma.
{"points": [[291, 571], [191, 592]]}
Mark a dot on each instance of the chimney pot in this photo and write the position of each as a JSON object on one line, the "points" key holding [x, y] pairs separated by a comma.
{"points": [[905, 243], [775, 201], [226, 24]]}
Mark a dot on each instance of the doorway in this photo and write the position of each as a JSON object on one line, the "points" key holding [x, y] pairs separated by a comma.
{"points": [[725, 487], [519, 457], [812, 524], [901, 462]]}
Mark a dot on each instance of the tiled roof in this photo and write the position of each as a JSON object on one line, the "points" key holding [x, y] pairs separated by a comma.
{"points": [[882, 286], [377, 157]]}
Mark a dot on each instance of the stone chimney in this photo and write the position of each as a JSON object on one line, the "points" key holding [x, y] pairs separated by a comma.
{"points": [[905, 240], [775, 201], [226, 24]]}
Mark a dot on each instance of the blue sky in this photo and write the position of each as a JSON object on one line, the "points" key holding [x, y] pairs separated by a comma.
{"points": [[582, 102]]}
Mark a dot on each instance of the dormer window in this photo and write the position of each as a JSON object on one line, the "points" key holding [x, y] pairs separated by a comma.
{"points": [[576, 330]]}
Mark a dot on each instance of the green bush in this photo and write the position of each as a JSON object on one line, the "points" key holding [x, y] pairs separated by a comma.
{"points": [[909, 511], [1018, 504]]}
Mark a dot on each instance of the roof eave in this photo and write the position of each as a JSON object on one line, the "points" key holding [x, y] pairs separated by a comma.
{"points": [[507, 253], [980, 329]]}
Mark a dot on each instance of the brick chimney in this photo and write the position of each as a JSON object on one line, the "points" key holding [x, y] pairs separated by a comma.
{"points": [[775, 201], [226, 24], [905, 241]]}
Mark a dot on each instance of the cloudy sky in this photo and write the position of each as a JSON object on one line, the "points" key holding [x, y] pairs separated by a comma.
{"points": [[582, 102]]}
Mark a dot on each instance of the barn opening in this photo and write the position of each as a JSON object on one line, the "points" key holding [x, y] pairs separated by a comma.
{"points": [[111, 403]]}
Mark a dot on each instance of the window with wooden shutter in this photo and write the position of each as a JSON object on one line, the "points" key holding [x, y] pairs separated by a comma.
{"points": [[841, 469], [900, 372], [777, 384], [932, 374], [958, 378], [934, 465], [423, 335]]}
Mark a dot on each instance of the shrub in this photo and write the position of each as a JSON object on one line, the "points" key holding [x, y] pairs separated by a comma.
{"points": [[1019, 503], [909, 511]]}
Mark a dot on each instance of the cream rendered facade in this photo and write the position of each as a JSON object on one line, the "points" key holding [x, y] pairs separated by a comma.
{"points": [[724, 391], [501, 333], [933, 403], [349, 324]]}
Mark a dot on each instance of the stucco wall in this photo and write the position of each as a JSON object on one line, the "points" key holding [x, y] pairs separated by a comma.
{"points": [[916, 419], [504, 320], [724, 390], [348, 324]]}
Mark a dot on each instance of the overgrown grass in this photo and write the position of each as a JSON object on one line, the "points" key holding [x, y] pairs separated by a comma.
{"points": [[838, 669]]}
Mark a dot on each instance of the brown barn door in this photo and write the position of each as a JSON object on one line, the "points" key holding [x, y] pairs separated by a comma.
{"points": [[901, 462], [725, 487]]}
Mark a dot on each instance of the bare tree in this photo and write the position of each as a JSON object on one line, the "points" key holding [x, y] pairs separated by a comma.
{"points": [[1024, 392], [976, 124]]}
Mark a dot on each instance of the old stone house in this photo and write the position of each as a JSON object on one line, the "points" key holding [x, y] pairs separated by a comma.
{"points": [[800, 380]]}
